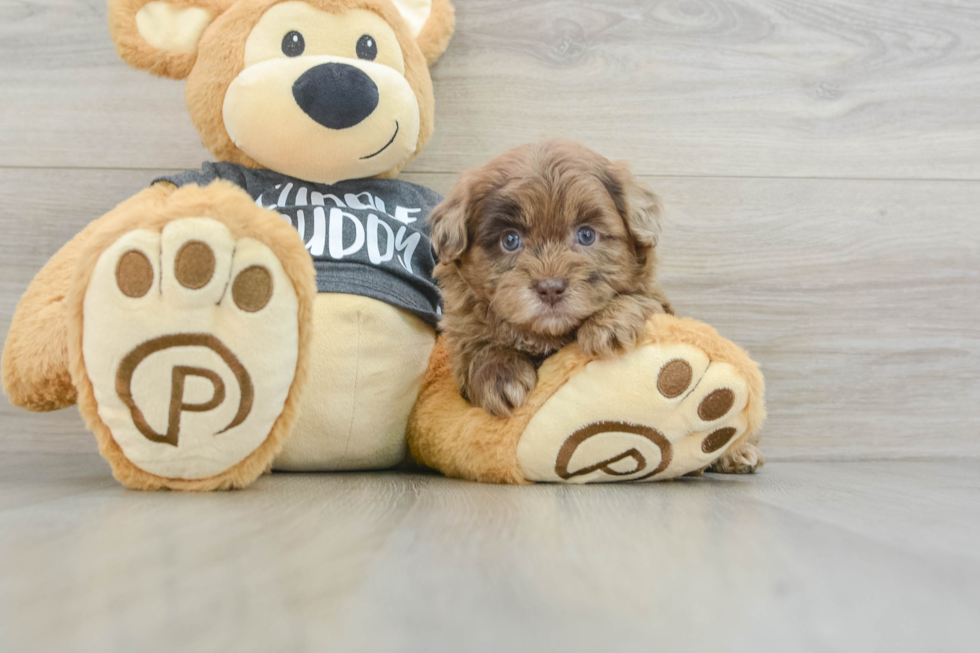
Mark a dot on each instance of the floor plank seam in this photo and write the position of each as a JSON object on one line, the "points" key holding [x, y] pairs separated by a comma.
{"points": [[642, 175]]}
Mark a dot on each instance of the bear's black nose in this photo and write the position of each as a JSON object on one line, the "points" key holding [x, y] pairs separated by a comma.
{"points": [[336, 95]]}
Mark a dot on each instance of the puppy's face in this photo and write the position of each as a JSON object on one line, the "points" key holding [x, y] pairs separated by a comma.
{"points": [[549, 254], [548, 234]]}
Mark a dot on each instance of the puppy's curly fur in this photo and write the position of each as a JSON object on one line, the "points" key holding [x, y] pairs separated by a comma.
{"points": [[546, 244]]}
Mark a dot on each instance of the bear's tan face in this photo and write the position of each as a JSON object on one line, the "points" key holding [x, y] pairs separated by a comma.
{"points": [[322, 96], [323, 90]]}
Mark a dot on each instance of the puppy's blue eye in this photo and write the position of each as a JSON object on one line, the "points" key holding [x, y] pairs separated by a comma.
{"points": [[293, 44], [511, 241], [586, 236]]}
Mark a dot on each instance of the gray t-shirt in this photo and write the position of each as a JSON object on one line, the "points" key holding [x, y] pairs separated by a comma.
{"points": [[367, 236]]}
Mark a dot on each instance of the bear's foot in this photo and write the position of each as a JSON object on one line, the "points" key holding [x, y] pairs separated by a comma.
{"points": [[662, 411], [190, 340]]}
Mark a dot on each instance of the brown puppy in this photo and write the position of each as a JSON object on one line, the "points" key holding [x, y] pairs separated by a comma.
{"points": [[548, 243]]}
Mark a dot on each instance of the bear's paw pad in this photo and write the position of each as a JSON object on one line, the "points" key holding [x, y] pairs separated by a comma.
{"points": [[659, 412], [190, 340]]}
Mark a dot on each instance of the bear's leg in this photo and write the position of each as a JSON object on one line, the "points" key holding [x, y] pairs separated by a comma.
{"points": [[188, 325], [684, 400]]}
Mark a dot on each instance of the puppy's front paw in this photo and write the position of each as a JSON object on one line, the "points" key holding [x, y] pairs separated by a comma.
{"points": [[500, 382], [746, 459], [612, 331]]}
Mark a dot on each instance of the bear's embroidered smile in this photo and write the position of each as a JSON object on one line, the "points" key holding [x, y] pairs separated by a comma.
{"points": [[390, 141]]}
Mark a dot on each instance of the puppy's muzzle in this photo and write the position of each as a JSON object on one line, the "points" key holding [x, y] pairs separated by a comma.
{"points": [[336, 95]]}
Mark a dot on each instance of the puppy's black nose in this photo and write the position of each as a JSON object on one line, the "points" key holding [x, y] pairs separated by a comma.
{"points": [[336, 95], [551, 291]]}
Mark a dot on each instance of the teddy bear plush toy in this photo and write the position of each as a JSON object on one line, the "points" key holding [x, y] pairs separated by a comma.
{"points": [[276, 309], [188, 321]]}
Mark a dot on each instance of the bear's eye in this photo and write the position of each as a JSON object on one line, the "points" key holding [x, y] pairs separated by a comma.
{"points": [[367, 48], [510, 241], [293, 44], [586, 236]]}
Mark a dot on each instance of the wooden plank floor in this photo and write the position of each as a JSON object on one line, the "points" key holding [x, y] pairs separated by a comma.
{"points": [[864, 556], [820, 164]]}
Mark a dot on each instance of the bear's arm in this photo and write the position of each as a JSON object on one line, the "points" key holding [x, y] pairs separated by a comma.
{"points": [[35, 363]]}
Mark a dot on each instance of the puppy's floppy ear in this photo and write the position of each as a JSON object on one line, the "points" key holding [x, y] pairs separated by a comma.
{"points": [[639, 206], [431, 23], [161, 36], [448, 223]]}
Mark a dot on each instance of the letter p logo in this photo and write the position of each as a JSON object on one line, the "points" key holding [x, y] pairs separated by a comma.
{"points": [[179, 374]]}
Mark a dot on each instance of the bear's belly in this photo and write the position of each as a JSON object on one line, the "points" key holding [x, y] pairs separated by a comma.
{"points": [[365, 364]]}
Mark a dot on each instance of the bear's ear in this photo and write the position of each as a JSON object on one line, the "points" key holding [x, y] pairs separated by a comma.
{"points": [[431, 23], [161, 36]]}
